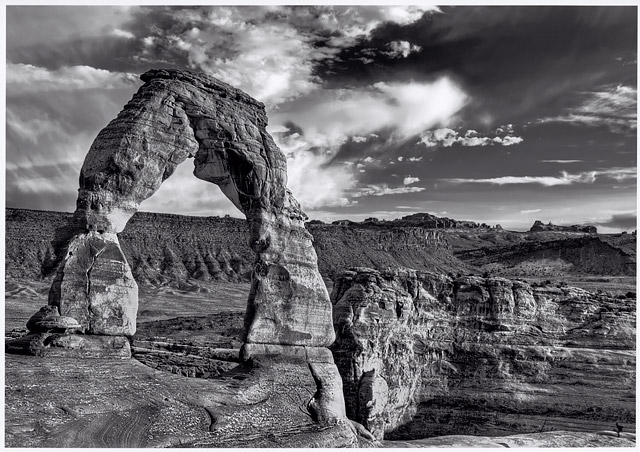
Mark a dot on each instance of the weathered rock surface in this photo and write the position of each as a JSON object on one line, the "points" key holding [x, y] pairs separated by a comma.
{"points": [[425, 355], [539, 226], [177, 115], [547, 439], [95, 286], [57, 324], [53, 345], [44, 312], [580, 253], [66, 402]]}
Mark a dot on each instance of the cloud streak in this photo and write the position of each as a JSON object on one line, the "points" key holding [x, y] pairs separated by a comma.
{"points": [[565, 178], [26, 78], [614, 106]]}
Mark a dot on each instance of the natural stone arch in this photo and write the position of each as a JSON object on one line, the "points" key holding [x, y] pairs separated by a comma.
{"points": [[176, 115]]}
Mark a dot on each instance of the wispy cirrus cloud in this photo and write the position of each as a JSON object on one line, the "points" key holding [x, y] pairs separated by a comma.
{"points": [[564, 178], [614, 106], [384, 190]]}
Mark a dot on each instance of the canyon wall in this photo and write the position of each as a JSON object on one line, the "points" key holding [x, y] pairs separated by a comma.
{"points": [[171, 249], [591, 254], [423, 355]]}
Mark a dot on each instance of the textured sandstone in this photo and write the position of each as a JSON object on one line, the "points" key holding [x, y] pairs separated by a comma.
{"points": [[177, 115], [53, 345], [44, 312], [57, 324], [423, 354], [95, 286], [174, 116]]}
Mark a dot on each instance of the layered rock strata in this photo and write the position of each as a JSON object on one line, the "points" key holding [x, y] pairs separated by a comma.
{"points": [[425, 355], [177, 115]]}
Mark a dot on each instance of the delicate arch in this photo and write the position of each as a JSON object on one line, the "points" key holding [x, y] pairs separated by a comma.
{"points": [[176, 115]]}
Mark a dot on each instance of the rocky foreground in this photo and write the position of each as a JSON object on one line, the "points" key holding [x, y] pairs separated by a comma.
{"points": [[122, 403]]}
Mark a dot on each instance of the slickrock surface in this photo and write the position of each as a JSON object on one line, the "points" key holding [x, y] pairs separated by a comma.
{"points": [[546, 439], [424, 355], [65, 402]]}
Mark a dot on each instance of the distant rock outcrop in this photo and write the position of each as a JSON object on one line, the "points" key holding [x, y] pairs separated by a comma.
{"points": [[425, 355], [539, 226]]}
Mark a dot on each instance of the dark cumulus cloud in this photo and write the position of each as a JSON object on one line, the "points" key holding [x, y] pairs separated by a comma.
{"points": [[624, 222], [496, 114]]}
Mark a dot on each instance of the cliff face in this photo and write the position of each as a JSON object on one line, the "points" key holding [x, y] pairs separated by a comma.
{"points": [[176, 249], [340, 247], [172, 249], [590, 254], [539, 226], [424, 355]]}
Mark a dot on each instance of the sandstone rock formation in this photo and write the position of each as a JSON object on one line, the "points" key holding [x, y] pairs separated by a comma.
{"points": [[539, 226], [177, 115], [177, 250], [425, 355]]}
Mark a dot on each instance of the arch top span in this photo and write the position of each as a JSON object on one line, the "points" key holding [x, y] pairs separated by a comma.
{"points": [[175, 115]]}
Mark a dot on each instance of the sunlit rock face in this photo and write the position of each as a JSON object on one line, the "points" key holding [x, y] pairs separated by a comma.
{"points": [[423, 355], [174, 116], [95, 286]]}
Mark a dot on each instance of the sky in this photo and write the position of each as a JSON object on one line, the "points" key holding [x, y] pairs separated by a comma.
{"points": [[496, 114]]}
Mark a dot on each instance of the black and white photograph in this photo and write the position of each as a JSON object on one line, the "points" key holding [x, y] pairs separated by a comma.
{"points": [[320, 225]]}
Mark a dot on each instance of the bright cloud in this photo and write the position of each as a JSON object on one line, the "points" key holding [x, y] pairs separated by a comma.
{"points": [[271, 52], [123, 33], [448, 137], [26, 78], [547, 181], [304, 165], [383, 190], [410, 180], [331, 116], [401, 49]]}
